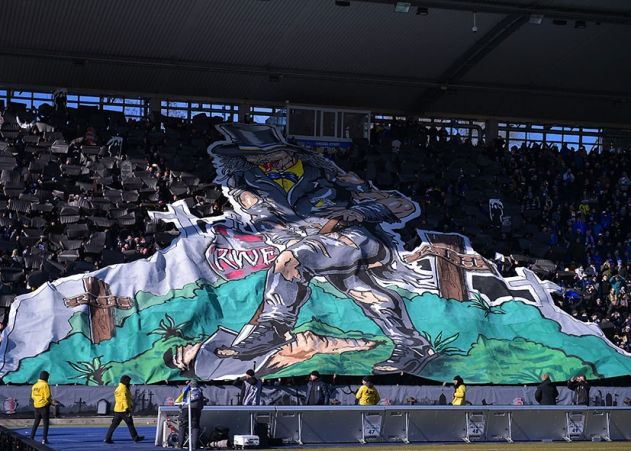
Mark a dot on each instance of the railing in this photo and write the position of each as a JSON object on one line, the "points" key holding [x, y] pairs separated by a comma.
{"points": [[409, 424], [12, 441]]}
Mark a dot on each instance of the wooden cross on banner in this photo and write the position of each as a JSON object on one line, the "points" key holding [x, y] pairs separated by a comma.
{"points": [[452, 263], [102, 303]]}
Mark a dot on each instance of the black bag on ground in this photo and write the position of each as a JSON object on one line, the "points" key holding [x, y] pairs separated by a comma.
{"points": [[219, 433]]}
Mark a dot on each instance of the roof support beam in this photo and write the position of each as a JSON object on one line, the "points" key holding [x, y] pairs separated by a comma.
{"points": [[509, 7], [482, 47], [85, 61]]}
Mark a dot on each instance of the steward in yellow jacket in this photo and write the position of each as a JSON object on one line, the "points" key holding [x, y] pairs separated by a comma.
{"points": [[123, 406], [460, 392], [42, 399], [367, 395]]}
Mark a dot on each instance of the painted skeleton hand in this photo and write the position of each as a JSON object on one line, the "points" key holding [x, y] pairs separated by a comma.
{"points": [[185, 355]]}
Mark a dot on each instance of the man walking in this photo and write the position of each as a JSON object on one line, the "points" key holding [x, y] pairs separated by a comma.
{"points": [[546, 393], [317, 391], [42, 399], [122, 411]]}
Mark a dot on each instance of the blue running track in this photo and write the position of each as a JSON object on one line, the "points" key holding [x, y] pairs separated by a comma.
{"points": [[91, 438]]}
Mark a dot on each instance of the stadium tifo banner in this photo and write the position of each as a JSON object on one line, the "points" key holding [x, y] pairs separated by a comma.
{"points": [[307, 271]]}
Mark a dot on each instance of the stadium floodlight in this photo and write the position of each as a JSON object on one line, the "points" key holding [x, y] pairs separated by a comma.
{"points": [[342, 3], [402, 7], [421, 11], [580, 24], [536, 19]]}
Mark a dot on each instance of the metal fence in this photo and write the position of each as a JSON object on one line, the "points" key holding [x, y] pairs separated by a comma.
{"points": [[12, 441], [412, 424]]}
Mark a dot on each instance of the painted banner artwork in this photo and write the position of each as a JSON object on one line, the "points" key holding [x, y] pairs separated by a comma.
{"points": [[306, 271]]}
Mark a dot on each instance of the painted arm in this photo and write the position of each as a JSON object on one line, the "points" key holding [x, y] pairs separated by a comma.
{"points": [[373, 205], [263, 217]]}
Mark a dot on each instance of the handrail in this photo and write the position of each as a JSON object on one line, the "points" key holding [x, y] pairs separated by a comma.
{"points": [[13, 441]]}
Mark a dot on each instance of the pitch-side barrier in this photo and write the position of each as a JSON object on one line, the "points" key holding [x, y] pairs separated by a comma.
{"points": [[409, 424]]}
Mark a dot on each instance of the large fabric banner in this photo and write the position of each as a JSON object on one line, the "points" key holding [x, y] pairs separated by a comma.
{"points": [[308, 270]]}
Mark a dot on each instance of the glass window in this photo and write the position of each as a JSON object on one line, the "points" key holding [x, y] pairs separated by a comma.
{"points": [[301, 122], [355, 125], [133, 111], [328, 123], [554, 138], [517, 135], [90, 99], [113, 108], [260, 118], [571, 139]]}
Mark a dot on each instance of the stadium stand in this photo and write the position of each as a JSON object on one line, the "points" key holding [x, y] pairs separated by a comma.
{"points": [[76, 199], [77, 184]]}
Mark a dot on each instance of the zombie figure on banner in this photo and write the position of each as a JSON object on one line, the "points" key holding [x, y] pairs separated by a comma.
{"points": [[326, 223]]}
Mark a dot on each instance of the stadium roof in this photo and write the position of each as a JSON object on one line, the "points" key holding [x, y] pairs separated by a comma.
{"points": [[314, 51]]}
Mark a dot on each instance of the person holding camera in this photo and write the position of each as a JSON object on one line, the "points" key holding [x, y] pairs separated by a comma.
{"points": [[580, 387], [251, 389], [194, 396]]}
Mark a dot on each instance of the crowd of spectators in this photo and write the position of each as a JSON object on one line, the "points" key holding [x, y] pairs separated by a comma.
{"points": [[77, 185], [560, 210]]}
